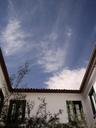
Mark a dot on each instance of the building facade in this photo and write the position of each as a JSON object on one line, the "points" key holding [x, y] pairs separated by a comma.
{"points": [[72, 102]]}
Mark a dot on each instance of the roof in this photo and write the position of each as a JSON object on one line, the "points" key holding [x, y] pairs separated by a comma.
{"points": [[87, 75]]}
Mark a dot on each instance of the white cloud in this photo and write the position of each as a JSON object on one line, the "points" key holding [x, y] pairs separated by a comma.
{"points": [[13, 37], [67, 79], [69, 32], [52, 59], [53, 56], [53, 36]]}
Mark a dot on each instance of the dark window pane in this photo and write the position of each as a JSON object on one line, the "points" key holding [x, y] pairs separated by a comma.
{"points": [[92, 96], [16, 112], [1, 100], [74, 110]]}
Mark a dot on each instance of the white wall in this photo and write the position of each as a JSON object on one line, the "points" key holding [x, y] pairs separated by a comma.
{"points": [[55, 101], [86, 99], [90, 83], [88, 111], [3, 84]]}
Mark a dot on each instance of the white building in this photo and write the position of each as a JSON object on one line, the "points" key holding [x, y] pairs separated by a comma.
{"points": [[85, 98]]}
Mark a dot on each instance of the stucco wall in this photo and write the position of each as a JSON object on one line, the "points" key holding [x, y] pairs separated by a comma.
{"points": [[88, 111], [88, 85], [55, 101], [86, 99], [3, 84]]}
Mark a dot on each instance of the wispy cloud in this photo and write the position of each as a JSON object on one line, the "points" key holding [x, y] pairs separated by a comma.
{"points": [[66, 79], [53, 56], [68, 32], [13, 37], [53, 36], [52, 59]]}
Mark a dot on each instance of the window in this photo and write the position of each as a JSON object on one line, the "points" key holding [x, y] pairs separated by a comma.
{"points": [[1, 100], [16, 112], [74, 110], [92, 96]]}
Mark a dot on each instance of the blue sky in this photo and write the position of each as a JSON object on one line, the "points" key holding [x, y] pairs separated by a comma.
{"points": [[55, 36]]}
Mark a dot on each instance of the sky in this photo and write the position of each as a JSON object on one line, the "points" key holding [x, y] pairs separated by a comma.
{"points": [[56, 38]]}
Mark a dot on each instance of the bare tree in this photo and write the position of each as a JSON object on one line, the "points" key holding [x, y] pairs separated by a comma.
{"points": [[15, 79], [45, 119], [42, 118]]}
